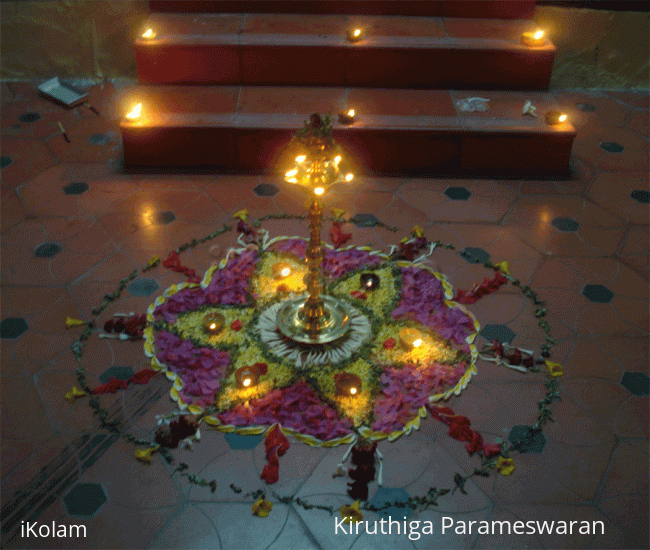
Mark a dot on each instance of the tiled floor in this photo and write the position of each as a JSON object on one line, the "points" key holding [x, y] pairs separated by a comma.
{"points": [[73, 225]]}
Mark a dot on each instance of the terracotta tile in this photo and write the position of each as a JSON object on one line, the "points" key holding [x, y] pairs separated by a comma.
{"points": [[531, 218], [591, 358], [139, 526], [565, 513], [288, 23], [189, 526], [12, 212], [582, 174], [577, 427], [496, 540], [607, 111], [398, 211], [629, 513], [634, 250], [560, 473], [623, 480], [291, 100], [612, 191], [485, 28], [400, 102], [638, 99], [639, 122], [631, 420], [593, 320]]}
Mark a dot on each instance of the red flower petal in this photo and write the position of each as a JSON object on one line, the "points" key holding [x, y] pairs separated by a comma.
{"points": [[390, 343], [236, 325]]}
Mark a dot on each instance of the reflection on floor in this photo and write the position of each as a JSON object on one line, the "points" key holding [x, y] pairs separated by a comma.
{"points": [[73, 225]]}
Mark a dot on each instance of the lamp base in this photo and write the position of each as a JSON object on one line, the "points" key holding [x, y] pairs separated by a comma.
{"points": [[295, 322]]}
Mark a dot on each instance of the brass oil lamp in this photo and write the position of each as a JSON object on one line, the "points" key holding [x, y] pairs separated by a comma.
{"points": [[315, 318]]}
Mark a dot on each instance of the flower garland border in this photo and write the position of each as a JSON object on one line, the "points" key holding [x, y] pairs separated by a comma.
{"points": [[430, 499]]}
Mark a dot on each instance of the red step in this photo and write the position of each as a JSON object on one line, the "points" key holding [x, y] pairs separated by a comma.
{"points": [[397, 131], [311, 50], [496, 9]]}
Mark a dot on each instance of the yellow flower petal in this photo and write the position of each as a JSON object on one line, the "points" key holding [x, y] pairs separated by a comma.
{"points": [[144, 455], [262, 507], [505, 466], [70, 322], [241, 214], [338, 213], [502, 266], [351, 513], [405, 239], [154, 260], [73, 394], [418, 231], [554, 369]]}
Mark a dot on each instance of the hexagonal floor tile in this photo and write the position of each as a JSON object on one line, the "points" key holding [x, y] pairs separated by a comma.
{"points": [[586, 107], [98, 139], [502, 333], [565, 224], [143, 287], [598, 293], [364, 220], [385, 495], [266, 190], [85, 499], [121, 373], [637, 383], [243, 442], [164, 218], [458, 193], [47, 250], [526, 440], [475, 255], [641, 195], [13, 327], [611, 147], [29, 117], [76, 188]]}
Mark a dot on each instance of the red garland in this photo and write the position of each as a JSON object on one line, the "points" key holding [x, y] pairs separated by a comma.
{"points": [[460, 429], [173, 262], [337, 235], [276, 445], [363, 457], [487, 287], [141, 377]]}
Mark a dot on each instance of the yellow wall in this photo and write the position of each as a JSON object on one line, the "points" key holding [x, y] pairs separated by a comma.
{"points": [[70, 38], [93, 39]]}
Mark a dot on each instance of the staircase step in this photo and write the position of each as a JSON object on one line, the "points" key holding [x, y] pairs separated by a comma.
{"points": [[242, 128], [311, 50], [499, 9]]}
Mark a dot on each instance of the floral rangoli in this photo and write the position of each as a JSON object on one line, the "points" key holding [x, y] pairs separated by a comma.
{"points": [[297, 387]]}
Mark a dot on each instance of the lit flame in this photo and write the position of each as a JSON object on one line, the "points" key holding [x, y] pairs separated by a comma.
{"points": [[369, 284], [538, 35], [356, 34], [291, 173], [213, 326], [135, 112], [353, 390], [562, 118], [246, 382], [285, 272], [301, 159], [349, 177], [319, 190], [337, 159], [417, 343], [351, 113], [149, 34]]}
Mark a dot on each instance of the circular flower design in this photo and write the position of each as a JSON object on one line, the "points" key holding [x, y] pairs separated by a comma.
{"points": [[389, 374]]}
